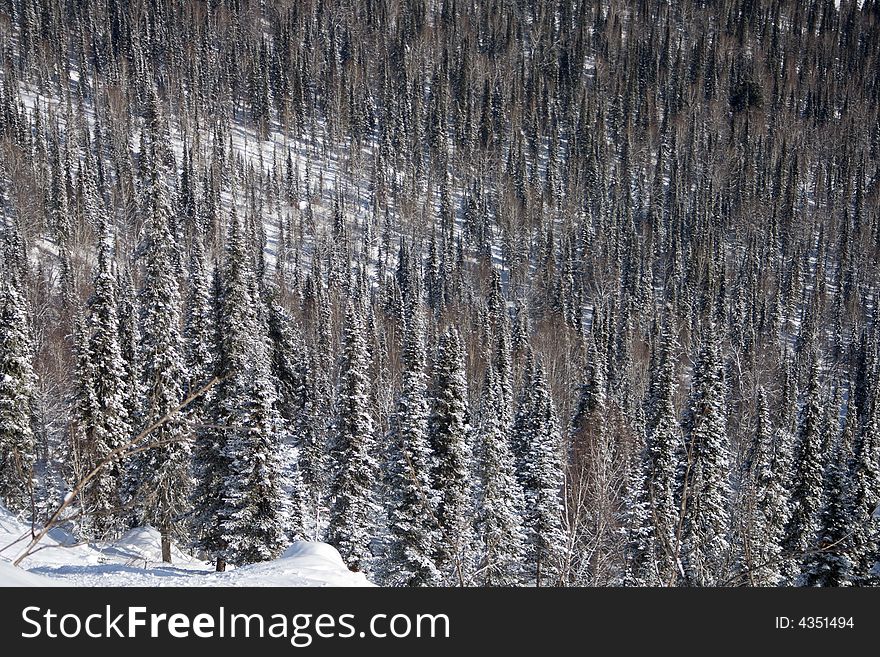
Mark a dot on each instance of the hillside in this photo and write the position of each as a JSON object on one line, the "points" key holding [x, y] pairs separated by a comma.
{"points": [[503, 292]]}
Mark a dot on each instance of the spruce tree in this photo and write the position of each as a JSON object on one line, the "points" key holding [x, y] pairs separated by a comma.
{"points": [[240, 494], [705, 487], [110, 423], [129, 339], [17, 382], [449, 436], [828, 563], [501, 502], [640, 562], [661, 458], [353, 489], [806, 485], [540, 468], [200, 360], [768, 500], [198, 321], [253, 510], [286, 351], [864, 485], [161, 472], [209, 465], [412, 516], [256, 514], [308, 427]]}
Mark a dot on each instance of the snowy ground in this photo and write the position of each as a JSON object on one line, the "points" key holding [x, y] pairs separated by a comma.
{"points": [[134, 560]]}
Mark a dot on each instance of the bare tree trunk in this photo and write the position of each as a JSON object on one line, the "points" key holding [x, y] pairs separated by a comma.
{"points": [[166, 543], [221, 565]]}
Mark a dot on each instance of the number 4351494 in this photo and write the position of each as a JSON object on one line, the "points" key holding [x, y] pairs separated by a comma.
{"points": [[824, 622]]}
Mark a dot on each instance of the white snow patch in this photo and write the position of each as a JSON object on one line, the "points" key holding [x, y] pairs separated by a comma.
{"points": [[135, 560], [12, 576], [145, 544]]}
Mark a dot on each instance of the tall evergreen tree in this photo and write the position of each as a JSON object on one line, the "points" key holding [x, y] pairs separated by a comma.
{"points": [[200, 360], [198, 321], [705, 487], [110, 423], [412, 516], [864, 485], [540, 469], [210, 466], [241, 493], [640, 564], [161, 472], [17, 383], [501, 502], [355, 478], [286, 351], [660, 462], [449, 436], [768, 500], [129, 339], [806, 486], [254, 510], [828, 563], [308, 427]]}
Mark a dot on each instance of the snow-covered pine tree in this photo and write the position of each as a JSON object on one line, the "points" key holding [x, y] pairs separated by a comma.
{"points": [[17, 381], [412, 502], [253, 508], [84, 409], [353, 488], [862, 375], [501, 501], [129, 339], [640, 563], [705, 483], [309, 428], [257, 515], [864, 484], [59, 209], [287, 350], [522, 425], [767, 500], [540, 469], [210, 465], [806, 485], [828, 563], [161, 473], [111, 427], [200, 359], [449, 437], [661, 457], [198, 322], [501, 356]]}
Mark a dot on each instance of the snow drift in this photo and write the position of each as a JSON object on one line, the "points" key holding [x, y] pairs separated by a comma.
{"points": [[135, 560]]}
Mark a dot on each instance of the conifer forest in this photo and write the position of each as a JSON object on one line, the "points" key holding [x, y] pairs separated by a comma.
{"points": [[479, 292]]}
